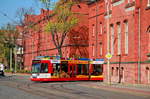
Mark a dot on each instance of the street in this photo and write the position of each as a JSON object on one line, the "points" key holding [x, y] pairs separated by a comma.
{"points": [[20, 87]]}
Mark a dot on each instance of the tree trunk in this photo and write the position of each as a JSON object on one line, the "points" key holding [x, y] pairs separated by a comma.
{"points": [[60, 51], [10, 61]]}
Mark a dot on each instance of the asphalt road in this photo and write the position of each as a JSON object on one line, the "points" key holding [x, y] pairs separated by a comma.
{"points": [[20, 87]]}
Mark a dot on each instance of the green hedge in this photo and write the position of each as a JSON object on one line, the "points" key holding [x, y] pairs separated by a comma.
{"points": [[19, 71]]}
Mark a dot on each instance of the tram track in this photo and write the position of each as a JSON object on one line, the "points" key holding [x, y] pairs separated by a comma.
{"points": [[27, 87], [50, 90], [73, 92]]}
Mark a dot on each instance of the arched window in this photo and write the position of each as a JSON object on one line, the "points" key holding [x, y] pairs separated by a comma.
{"points": [[126, 36], [112, 38], [117, 71], [112, 71], [119, 37], [148, 74]]}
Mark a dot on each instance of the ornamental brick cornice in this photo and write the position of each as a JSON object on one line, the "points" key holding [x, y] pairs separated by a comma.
{"points": [[130, 4]]}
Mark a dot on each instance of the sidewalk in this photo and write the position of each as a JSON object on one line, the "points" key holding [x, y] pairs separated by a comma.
{"points": [[138, 88], [20, 74]]}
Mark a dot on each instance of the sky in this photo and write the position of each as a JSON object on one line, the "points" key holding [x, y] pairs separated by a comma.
{"points": [[8, 9]]}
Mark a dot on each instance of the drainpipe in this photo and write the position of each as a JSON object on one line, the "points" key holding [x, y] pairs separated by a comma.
{"points": [[96, 1], [139, 46]]}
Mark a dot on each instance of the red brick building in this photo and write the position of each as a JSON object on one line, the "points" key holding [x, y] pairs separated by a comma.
{"points": [[128, 41], [37, 42], [142, 16], [96, 29], [119, 27], [119, 18]]}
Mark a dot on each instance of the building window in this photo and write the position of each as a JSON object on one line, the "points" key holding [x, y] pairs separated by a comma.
{"points": [[119, 37], [122, 74], [117, 71], [101, 28], [112, 38], [129, 1], [93, 50], [148, 3], [148, 74], [126, 37], [117, 2], [101, 49], [93, 30], [112, 71]]}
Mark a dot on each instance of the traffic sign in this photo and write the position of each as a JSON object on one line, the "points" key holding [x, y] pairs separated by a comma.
{"points": [[108, 56]]}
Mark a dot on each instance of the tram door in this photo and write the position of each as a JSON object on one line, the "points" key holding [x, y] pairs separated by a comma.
{"points": [[72, 70]]}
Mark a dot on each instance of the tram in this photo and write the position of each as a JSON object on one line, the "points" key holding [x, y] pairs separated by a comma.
{"points": [[53, 68]]}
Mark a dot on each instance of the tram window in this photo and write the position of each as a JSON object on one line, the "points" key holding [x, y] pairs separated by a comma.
{"points": [[97, 70], [79, 69], [44, 68], [64, 68], [85, 69], [36, 67], [56, 67]]}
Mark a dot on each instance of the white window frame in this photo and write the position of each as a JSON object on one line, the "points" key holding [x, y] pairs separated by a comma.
{"points": [[119, 37], [118, 3], [126, 37], [112, 38], [148, 3], [128, 1], [93, 50], [101, 50], [101, 28]]}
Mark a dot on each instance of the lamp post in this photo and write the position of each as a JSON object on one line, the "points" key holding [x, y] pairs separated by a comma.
{"points": [[108, 43], [10, 59]]}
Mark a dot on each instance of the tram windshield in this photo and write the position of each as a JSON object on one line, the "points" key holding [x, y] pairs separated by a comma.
{"points": [[36, 68], [39, 68]]}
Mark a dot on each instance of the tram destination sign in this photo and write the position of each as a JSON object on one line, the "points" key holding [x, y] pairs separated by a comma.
{"points": [[77, 62], [55, 61]]}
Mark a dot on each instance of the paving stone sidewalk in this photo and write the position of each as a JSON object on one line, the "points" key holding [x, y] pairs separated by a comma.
{"points": [[144, 88]]}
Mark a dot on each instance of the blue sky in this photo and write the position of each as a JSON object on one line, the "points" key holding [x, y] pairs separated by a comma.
{"points": [[9, 7]]}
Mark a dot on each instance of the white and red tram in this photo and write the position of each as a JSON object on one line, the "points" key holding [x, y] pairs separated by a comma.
{"points": [[55, 69]]}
